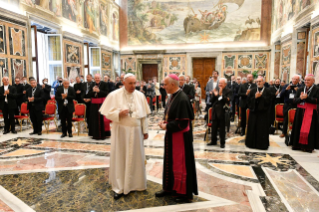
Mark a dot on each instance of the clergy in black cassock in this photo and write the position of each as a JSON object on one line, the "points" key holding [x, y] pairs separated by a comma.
{"points": [[258, 101], [305, 133], [179, 171], [99, 128]]}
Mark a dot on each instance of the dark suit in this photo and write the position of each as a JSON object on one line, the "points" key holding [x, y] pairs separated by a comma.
{"points": [[65, 109], [111, 86], [218, 118], [288, 96], [47, 96], [243, 103], [189, 90], [87, 86], [79, 96], [35, 108], [8, 107], [164, 94], [234, 87]]}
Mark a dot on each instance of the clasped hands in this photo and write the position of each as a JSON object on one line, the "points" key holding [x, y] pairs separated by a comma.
{"points": [[64, 95], [96, 89], [162, 125], [216, 93], [6, 92], [303, 96], [78, 91], [30, 99], [87, 100]]}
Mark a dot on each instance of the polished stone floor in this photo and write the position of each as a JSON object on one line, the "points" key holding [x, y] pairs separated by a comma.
{"points": [[46, 173]]}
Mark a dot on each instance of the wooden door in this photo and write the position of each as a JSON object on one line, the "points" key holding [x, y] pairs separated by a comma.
{"points": [[203, 69], [149, 71]]}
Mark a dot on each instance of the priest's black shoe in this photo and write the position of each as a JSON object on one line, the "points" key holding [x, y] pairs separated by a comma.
{"points": [[5, 132], [181, 200], [63, 135], [242, 134], [162, 193], [117, 196], [40, 133], [70, 135], [211, 144], [222, 146], [33, 133], [14, 132]]}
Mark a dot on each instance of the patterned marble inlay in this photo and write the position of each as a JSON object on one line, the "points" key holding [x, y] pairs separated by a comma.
{"points": [[295, 190], [79, 190], [4, 207], [228, 208], [21, 152], [223, 188], [54, 160], [241, 141], [74, 146], [244, 171]]}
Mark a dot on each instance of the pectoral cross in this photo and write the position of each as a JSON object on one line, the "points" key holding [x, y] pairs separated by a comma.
{"points": [[130, 112]]}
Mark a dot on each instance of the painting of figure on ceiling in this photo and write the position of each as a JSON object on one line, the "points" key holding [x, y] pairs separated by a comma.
{"points": [[104, 19], [91, 15], [193, 21]]}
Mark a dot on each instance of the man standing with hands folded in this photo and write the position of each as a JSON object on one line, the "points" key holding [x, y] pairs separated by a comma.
{"points": [[35, 97]]}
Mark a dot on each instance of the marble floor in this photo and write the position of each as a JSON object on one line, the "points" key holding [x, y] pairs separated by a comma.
{"points": [[46, 173]]}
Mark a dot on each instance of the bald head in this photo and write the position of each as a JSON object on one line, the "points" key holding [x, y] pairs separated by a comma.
{"points": [[309, 80], [295, 79], [170, 84], [97, 78], [5, 81]]}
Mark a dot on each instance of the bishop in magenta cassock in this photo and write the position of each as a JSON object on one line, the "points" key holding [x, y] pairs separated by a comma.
{"points": [[305, 135], [179, 171], [128, 109]]}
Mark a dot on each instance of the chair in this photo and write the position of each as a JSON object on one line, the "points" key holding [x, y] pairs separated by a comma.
{"points": [[247, 120], [160, 101], [279, 115], [291, 118], [154, 103], [209, 124], [50, 115], [79, 115], [1, 115], [24, 115], [74, 103]]}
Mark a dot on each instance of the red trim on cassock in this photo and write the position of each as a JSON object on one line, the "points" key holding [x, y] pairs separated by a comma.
{"points": [[179, 161], [97, 101], [306, 122]]}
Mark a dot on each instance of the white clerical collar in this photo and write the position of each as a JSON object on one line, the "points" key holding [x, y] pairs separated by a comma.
{"points": [[6, 87], [128, 93]]}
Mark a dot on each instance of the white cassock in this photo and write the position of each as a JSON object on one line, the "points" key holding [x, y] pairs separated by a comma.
{"points": [[127, 164]]}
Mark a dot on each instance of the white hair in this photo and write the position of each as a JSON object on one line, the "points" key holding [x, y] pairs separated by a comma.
{"points": [[296, 75], [238, 78], [128, 75], [225, 80], [261, 78], [311, 76], [182, 76], [244, 79], [66, 80]]}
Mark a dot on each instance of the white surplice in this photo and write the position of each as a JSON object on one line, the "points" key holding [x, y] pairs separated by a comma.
{"points": [[127, 163]]}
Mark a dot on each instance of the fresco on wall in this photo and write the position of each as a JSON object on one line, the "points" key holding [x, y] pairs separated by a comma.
{"points": [[316, 45], [17, 42], [115, 24], [285, 74], [261, 61], [286, 55], [54, 6], [18, 69], [3, 67], [192, 21], [285, 10], [277, 65], [91, 12], [301, 48], [2, 40], [315, 69], [70, 10], [73, 72], [229, 61], [245, 61], [72, 54], [106, 61], [104, 19]]}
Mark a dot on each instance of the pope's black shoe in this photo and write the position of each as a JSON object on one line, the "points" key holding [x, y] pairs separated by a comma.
{"points": [[117, 196], [162, 193]]}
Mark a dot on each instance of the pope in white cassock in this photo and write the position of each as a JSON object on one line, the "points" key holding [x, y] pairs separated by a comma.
{"points": [[128, 110]]}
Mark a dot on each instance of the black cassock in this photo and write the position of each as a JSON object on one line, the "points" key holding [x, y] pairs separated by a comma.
{"points": [[258, 122], [313, 137], [96, 120], [179, 172]]}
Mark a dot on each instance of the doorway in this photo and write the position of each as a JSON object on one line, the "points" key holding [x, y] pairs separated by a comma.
{"points": [[149, 71], [203, 69]]}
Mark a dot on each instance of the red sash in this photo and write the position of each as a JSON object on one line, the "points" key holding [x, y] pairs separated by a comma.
{"points": [[179, 161], [306, 122], [99, 101]]}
